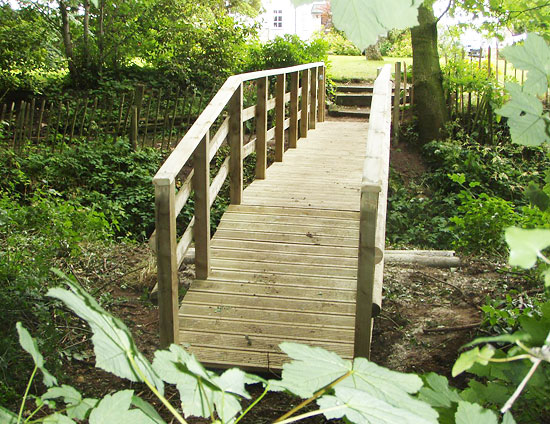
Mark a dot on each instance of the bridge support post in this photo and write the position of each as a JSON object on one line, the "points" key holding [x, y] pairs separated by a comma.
{"points": [[304, 104], [235, 138], [313, 100], [280, 118], [167, 265], [366, 270], [201, 230], [261, 128], [293, 128]]}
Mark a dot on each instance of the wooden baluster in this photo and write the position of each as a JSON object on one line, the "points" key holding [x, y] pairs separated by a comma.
{"points": [[396, 102], [201, 230], [261, 128], [305, 104], [293, 129], [321, 95], [313, 100], [280, 118], [167, 266], [235, 139]]}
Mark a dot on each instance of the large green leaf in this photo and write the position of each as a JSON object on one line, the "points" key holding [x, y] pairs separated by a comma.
{"points": [[526, 245], [533, 56], [437, 391], [313, 368], [202, 392], [115, 408], [77, 407], [30, 346], [359, 407], [525, 118], [364, 21], [6, 416], [471, 413], [57, 419], [114, 347], [467, 359]]}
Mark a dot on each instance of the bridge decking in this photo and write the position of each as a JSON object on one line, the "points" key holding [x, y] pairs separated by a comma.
{"points": [[284, 262]]}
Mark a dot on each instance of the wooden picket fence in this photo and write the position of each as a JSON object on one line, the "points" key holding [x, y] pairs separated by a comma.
{"points": [[147, 117]]}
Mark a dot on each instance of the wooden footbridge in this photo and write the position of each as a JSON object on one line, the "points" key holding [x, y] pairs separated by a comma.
{"points": [[297, 256]]}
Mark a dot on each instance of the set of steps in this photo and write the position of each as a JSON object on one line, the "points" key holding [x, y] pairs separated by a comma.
{"points": [[353, 101]]}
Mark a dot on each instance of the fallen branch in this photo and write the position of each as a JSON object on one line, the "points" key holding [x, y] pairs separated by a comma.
{"points": [[449, 329]]}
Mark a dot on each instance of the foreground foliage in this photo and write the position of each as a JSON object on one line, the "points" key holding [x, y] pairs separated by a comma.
{"points": [[359, 391]]}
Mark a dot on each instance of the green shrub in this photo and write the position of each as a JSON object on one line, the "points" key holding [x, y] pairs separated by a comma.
{"points": [[106, 176], [44, 230], [397, 44], [285, 51], [338, 44]]}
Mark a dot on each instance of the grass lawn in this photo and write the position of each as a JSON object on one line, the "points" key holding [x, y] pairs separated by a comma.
{"points": [[346, 68]]}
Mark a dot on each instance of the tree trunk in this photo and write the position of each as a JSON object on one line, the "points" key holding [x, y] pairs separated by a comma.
{"points": [[86, 35], [373, 53], [67, 41], [430, 107], [101, 36]]}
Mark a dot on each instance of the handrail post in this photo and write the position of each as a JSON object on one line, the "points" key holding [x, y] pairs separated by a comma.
{"points": [[235, 138], [261, 128], [167, 266], [280, 118], [305, 104], [321, 94], [313, 101], [365, 270], [201, 230], [293, 129]]}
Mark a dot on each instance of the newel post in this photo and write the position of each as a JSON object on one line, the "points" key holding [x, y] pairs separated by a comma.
{"points": [[167, 265], [201, 229], [280, 118], [365, 269], [235, 138], [261, 128], [305, 104], [313, 101]]}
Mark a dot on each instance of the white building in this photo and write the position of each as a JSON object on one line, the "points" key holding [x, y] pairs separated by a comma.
{"points": [[281, 17]]}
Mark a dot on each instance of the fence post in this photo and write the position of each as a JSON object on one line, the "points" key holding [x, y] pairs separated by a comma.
{"points": [[280, 118], [313, 101], [293, 129], [396, 102], [134, 128], [321, 94], [167, 264], [201, 230], [235, 138], [305, 104], [261, 128]]}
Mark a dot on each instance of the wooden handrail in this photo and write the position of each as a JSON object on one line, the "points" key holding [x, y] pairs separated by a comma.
{"points": [[197, 144], [374, 193]]}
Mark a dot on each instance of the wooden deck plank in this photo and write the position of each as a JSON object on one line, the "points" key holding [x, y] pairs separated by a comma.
{"points": [[284, 261], [272, 290]]}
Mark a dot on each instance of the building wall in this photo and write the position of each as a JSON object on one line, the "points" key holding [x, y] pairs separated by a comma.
{"points": [[282, 17]]}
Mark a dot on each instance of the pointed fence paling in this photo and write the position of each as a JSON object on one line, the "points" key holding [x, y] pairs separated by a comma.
{"points": [[146, 117]]}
